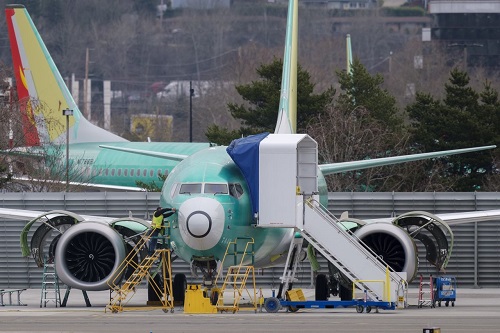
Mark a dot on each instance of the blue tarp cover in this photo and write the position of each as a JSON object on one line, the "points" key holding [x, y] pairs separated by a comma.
{"points": [[245, 153]]}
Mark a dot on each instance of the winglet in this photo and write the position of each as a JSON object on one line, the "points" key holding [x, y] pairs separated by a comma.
{"points": [[287, 116]]}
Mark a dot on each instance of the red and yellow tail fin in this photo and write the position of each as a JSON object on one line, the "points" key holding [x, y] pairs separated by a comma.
{"points": [[42, 92]]}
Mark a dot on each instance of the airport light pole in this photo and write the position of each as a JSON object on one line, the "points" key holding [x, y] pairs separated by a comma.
{"points": [[191, 94], [67, 113]]}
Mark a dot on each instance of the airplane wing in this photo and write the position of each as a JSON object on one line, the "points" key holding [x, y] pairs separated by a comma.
{"points": [[332, 168], [168, 156], [25, 215], [91, 185], [456, 218]]}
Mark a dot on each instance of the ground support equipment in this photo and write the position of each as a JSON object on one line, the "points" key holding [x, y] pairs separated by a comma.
{"points": [[9, 292], [426, 292], [273, 305], [445, 290]]}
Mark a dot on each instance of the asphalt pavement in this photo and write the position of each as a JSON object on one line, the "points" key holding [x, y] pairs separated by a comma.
{"points": [[475, 310]]}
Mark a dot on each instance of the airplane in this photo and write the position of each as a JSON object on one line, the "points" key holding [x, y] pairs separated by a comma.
{"points": [[212, 197]]}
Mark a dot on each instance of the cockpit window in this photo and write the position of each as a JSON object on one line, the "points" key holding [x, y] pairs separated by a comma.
{"points": [[236, 190], [216, 188], [190, 188]]}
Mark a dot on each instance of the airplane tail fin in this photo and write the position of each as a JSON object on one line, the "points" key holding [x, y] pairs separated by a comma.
{"points": [[42, 92], [287, 116], [349, 54]]}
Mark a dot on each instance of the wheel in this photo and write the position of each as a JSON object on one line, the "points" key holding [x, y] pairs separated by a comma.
{"points": [[359, 308], [321, 291], [172, 310], [368, 309], [345, 293], [272, 305], [293, 309], [452, 304], [179, 286], [214, 297], [447, 303], [439, 303]]}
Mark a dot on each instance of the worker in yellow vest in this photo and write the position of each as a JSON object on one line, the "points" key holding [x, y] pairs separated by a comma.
{"points": [[157, 226]]}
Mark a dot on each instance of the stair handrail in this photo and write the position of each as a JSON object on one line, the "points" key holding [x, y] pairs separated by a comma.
{"points": [[316, 206]]}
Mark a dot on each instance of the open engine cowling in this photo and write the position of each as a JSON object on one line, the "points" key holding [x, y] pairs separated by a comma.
{"points": [[87, 254]]}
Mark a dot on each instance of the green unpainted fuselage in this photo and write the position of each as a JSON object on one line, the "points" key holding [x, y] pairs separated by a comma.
{"points": [[94, 165]]}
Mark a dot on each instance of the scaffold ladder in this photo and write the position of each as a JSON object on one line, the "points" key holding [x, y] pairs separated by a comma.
{"points": [[122, 293], [237, 277]]}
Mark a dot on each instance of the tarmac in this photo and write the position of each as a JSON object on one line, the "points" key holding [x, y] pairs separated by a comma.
{"points": [[475, 310]]}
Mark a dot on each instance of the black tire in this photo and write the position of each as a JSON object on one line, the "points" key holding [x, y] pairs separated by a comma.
{"points": [[179, 286], [368, 309], [345, 293], [272, 304], [359, 308], [214, 297], [321, 291]]}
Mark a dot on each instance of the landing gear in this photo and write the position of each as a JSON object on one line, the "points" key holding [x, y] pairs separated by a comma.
{"points": [[322, 290], [179, 286]]}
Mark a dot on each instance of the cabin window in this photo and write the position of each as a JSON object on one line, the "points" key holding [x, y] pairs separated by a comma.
{"points": [[106, 172], [132, 172], [125, 172], [190, 188], [144, 173], [235, 190], [138, 172], [112, 172], [151, 173], [119, 172], [166, 172], [216, 188]]}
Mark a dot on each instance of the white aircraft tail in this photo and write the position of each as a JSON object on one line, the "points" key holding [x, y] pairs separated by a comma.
{"points": [[42, 92]]}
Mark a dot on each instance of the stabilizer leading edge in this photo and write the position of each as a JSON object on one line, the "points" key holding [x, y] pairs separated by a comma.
{"points": [[42, 91]]}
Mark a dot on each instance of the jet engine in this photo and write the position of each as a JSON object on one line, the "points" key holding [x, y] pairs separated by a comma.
{"points": [[395, 242], [393, 245], [86, 253]]}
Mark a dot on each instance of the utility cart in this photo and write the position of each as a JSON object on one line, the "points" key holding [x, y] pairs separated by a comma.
{"points": [[445, 290]]}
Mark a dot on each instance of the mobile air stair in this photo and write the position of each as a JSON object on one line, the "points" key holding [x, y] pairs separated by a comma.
{"points": [[134, 272], [288, 196]]}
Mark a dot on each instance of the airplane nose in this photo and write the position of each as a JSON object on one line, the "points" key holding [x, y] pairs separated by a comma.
{"points": [[201, 222]]}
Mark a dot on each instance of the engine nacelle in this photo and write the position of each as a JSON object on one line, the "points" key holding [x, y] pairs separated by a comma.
{"points": [[393, 245], [87, 254]]}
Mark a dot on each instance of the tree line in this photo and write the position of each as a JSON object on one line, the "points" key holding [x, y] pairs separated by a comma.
{"points": [[361, 120]]}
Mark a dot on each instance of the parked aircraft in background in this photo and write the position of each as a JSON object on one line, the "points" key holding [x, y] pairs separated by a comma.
{"points": [[204, 184]]}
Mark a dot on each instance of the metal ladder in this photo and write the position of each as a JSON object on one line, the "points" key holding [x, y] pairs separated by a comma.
{"points": [[237, 277], [290, 270], [50, 284], [426, 298], [122, 293]]}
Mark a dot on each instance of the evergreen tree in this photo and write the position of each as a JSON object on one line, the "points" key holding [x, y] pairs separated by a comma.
{"points": [[361, 89], [464, 118], [263, 96]]}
